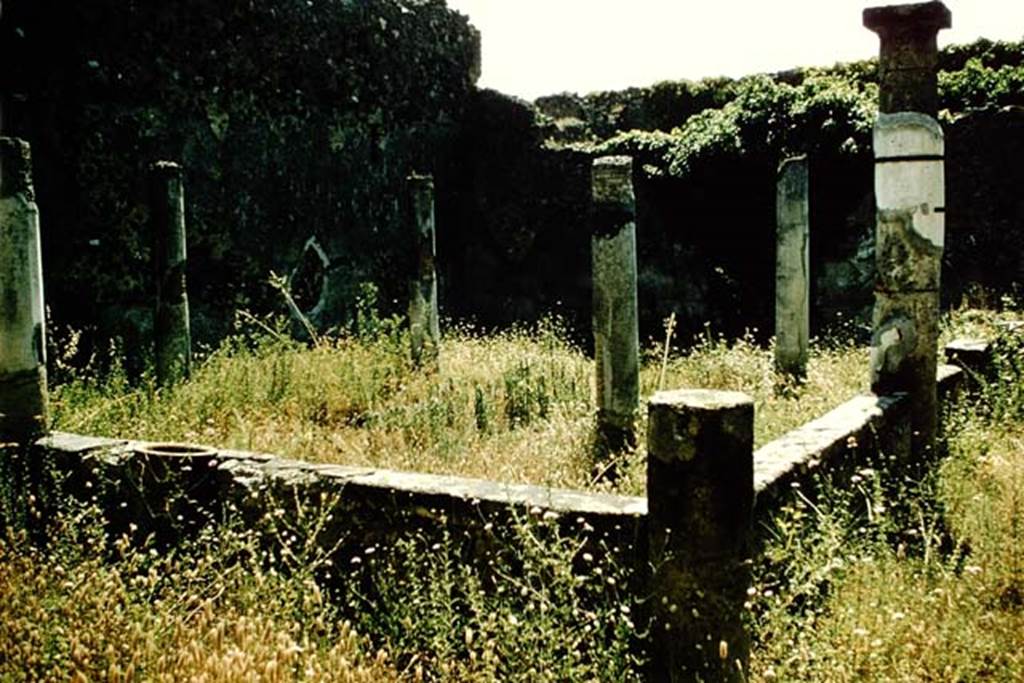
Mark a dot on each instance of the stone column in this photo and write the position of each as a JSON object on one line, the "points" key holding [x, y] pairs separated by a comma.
{"points": [[171, 320], [909, 56], [909, 191], [23, 395], [792, 269], [910, 197], [700, 496], [424, 325], [616, 328], [3, 95]]}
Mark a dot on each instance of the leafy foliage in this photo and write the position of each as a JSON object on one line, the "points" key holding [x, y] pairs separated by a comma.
{"points": [[822, 115]]}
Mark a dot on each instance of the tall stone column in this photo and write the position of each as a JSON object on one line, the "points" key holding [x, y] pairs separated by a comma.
{"points": [[908, 56], [792, 269], [424, 324], [171, 321], [23, 394], [700, 497], [615, 323], [910, 197], [2, 93], [909, 238]]}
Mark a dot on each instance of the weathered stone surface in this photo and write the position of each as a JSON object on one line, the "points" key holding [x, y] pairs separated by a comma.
{"points": [[969, 353], [792, 268], [978, 357], [841, 441], [78, 443], [367, 505], [904, 358], [909, 171], [700, 498], [23, 395], [838, 442], [921, 15], [684, 413], [905, 261], [424, 324], [16, 169], [909, 239], [909, 54], [173, 338], [615, 323], [614, 202], [952, 381]]}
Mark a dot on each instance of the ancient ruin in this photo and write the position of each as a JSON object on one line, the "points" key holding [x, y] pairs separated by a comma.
{"points": [[910, 196], [23, 392], [690, 539], [171, 318], [616, 336], [424, 324], [792, 269]]}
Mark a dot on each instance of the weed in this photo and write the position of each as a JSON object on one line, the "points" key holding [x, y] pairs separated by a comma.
{"points": [[877, 579], [515, 406], [884, 579], [90, 607]]}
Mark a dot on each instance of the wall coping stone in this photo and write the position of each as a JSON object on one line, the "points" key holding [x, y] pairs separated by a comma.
{"points": [[243, 465]]}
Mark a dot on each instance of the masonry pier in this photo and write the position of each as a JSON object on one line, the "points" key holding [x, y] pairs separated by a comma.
{"points": [[792, 269], [616, 328], [23, 393], [424, 323], [910, 197], [700, 496], [173, 338]]}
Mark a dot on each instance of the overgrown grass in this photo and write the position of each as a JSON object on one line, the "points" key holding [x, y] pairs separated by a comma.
{"points": [[882, 579], [544, 606], [836, 371], [895, 580], [90, 608], [515, 406], [267, 600]]}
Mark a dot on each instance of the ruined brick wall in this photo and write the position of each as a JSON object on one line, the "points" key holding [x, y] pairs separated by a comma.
{"points": [[985, 206], [513, 236], [291, 119], [295, 120], [706, 158]]}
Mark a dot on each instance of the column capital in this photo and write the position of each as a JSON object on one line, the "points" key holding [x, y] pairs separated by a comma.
{"points": [[908, 54], [920, 16]]}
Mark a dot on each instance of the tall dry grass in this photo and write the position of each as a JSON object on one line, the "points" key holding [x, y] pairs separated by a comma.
{"points": [[515, 406]]}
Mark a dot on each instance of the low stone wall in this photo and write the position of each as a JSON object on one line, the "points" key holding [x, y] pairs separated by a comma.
{"points": [[373, 504], [838, 441], [171, 495]]}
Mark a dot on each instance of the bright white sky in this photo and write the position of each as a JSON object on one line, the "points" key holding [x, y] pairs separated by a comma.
{"points": [[540, 47]]}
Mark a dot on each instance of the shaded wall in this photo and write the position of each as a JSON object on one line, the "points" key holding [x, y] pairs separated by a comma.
{"points": [[296, 121], [291, 119]]}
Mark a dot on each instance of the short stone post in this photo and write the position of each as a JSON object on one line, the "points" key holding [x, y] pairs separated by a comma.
{"points": [[616, 328], [910, 197], [700, 496], [171, 321], [908, 56], [424, 325], [23, 394], [792, 269]]}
